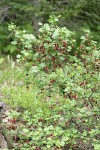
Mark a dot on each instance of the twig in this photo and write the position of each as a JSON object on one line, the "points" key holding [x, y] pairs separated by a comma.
{"points": [[4, 10]]}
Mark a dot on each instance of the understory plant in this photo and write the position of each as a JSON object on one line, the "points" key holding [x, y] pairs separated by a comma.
{"points": [[64, 110]]}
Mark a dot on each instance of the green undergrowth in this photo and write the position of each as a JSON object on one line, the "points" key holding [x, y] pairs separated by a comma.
{"points": [[53, 89], [45, 118]]}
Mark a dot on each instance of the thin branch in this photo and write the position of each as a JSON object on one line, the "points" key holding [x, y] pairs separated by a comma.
{"points": [[4, 10]]}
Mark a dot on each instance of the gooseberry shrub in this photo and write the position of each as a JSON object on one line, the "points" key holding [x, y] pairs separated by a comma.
{"points": [[49, 50], [56, 63]]}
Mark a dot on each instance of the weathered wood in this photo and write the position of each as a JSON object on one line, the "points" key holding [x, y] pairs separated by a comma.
{"points": [[8, 138], [5, 139], [3, 142]]}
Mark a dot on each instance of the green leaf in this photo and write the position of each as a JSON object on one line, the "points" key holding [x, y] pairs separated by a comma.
{"points": [[34, 69], [82, 38], [26, 130], [96, 146], [18, 56], [1, 60]]}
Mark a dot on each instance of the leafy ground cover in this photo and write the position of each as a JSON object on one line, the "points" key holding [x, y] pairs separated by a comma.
{"points": [[53, 90]]}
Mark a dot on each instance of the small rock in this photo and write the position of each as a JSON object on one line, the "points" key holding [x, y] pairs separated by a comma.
{"points": [[2, 105]]}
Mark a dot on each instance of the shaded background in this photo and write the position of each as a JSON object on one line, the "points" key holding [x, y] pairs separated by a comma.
{"points": [[76, 14]]}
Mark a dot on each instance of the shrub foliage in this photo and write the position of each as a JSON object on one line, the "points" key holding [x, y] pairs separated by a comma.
{"points": [[58, 65]]}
